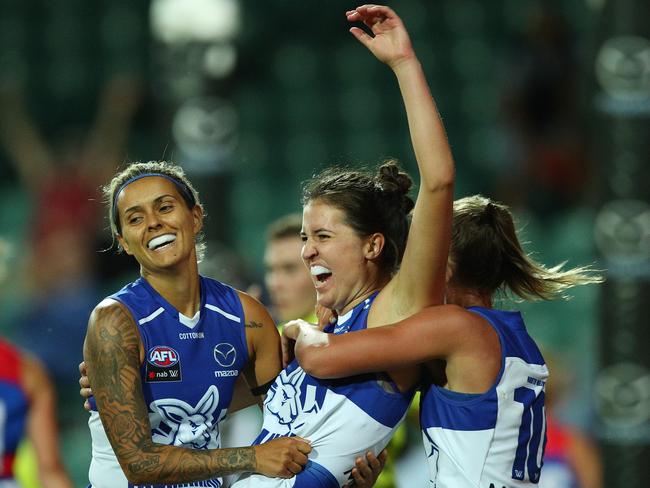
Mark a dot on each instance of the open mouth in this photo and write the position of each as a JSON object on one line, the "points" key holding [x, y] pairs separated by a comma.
{"points": [[161, 242], [321, 273]]}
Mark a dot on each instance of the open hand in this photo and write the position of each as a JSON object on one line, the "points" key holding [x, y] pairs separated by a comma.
{"points": [[390, 42]]}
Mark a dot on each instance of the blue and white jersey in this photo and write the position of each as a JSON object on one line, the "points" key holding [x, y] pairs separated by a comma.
{"points": [[494, 439], [343, 418], [188, 376]]}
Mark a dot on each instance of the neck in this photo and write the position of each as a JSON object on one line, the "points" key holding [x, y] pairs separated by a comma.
{"points": [[356, 301], [182, 291], [465, 297], [362, 295]]}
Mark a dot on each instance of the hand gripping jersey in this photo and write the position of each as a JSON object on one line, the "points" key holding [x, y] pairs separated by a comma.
{"points": [[343, 418], [13, 412], [190, 368], [495, 439]]}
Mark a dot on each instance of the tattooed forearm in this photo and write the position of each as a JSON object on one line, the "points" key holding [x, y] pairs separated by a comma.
{"points": [[253, 325], [146, 465], [123, 425], [219, 462], [238, 459]]}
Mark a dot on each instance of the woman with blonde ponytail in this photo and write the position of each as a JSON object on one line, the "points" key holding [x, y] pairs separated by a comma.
{"points": [[486, 255], [482, 405]]}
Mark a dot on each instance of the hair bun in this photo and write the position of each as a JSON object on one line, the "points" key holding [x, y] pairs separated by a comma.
{"points": [[392, 179], [396, 183]]}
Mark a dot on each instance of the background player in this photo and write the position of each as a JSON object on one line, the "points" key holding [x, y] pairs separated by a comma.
{"points": [[286, 278]]}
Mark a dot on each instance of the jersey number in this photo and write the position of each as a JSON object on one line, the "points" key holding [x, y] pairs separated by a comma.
{"points": [[531, 432]]}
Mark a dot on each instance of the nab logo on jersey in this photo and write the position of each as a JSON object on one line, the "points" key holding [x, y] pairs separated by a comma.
{"points": [[163, 356], [163, 364]]}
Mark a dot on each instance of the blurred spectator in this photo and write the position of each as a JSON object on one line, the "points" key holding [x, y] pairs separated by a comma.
{"points": [[286, 277], [63, 179], [541, 107], [63, 176], [28, 402], [27, 411], [571, 459]]}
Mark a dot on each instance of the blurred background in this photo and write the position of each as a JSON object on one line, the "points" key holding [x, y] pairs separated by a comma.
{"points": [[546, 104]]}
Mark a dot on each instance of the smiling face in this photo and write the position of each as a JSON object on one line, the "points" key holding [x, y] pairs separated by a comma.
{"points": [[343, 265], [157, 227]]}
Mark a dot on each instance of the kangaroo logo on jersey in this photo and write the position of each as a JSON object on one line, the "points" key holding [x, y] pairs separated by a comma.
{"points": [[163, 364], [291, 399], [181, 424], [225, 354]]}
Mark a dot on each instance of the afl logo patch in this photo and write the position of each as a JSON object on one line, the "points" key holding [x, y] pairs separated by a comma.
{"points": [[163, 356], [163, 364], [225, 354]]}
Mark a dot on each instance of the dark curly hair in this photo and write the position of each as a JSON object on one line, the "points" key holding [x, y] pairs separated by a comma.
{"points": [[372, 201]]}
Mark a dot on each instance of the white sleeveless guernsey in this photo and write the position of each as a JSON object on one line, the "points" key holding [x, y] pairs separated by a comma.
{"points": [[495, 439], [342, 418], [188, 375]]}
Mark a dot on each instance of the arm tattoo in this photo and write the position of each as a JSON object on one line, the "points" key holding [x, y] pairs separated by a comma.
{"points": [[238, 456], [112, 352], [254, 325]]}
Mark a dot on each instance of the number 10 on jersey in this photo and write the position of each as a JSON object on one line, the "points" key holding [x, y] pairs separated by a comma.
{"points": [[531, 432]]}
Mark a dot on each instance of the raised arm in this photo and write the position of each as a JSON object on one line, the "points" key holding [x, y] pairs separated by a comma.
{"points": [[421, 279], [107, 138], [25, 145], [41, 424], [113, 354]]}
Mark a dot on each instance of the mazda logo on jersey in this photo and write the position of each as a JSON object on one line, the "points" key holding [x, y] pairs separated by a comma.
{"points": [[163, 364], [225, 354]]}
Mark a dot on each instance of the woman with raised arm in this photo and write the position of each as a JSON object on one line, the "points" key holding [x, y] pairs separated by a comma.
{"points": [[355, 228], [482, 405]]}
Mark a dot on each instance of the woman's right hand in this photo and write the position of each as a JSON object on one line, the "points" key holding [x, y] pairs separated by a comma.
{"points": [[390, 42], [283, 457], [84, 385], [290, 333]]}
